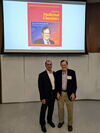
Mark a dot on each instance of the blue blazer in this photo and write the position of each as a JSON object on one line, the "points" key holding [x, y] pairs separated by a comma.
{"points": [[71, 82], [40, 41], [45, 86]]}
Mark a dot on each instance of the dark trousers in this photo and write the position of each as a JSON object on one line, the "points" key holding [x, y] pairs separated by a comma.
{"points": [[50, 105]]}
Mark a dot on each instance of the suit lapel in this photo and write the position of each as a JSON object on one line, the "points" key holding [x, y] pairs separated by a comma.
{"points": [[47, 77]]}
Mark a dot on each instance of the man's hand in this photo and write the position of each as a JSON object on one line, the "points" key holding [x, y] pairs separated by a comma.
{"points": [[58, 96], [43, 101], [72, 97]]}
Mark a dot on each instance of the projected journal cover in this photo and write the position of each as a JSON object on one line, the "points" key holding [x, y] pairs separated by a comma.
{"points": [[44, 25]]}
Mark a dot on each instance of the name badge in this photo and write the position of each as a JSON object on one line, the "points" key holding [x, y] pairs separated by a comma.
{"points": [[69, 77]]}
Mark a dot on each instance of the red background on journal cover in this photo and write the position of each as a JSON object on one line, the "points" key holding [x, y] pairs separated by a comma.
{"points": [[41, 15]]}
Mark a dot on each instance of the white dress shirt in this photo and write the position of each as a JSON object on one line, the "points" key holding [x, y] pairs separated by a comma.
{"points": [[51, 77]]}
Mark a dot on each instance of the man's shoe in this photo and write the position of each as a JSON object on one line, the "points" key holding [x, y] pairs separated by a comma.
{"points": [[60, 124], [43, 128], [51, 124], [70, 128]]}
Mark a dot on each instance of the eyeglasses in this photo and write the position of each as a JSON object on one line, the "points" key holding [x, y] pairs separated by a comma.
{"points": [[49, 64], [47, 33]]}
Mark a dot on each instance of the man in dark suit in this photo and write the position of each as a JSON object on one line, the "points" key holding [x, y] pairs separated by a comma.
{"points": [[46, 37], [66, 92], [46, 84]]}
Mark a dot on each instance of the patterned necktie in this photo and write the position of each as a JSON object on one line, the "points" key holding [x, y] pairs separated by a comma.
{"points": [[48, 42]]}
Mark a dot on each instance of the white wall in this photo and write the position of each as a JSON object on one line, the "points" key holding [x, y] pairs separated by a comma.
{"points": [[20, 75]]}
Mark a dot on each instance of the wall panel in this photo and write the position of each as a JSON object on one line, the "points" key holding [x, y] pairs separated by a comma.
{"points": [[12, 79], [33, 66], [20, 76], [93, 27]]}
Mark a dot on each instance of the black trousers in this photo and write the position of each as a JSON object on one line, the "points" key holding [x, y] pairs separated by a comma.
{"points": [[50, 105]]}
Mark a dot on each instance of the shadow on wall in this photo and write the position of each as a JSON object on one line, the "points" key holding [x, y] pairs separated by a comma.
{"points": [[1, 45], [1, 28]]}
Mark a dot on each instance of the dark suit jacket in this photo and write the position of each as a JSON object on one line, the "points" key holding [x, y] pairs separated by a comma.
{"points": [[45, 86], [71, 82], [40, 41]]}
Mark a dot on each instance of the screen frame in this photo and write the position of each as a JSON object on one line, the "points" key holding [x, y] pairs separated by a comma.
{"points": [[54, 52]]}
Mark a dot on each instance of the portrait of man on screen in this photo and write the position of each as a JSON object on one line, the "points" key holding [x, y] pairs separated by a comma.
{"points": [[46, 33]]}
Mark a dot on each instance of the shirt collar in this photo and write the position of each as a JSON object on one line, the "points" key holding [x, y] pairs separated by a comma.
{"points": [[49, 72], [64, 72]]}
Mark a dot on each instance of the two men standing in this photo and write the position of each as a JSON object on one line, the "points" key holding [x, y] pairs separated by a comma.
{"points": [[61, 85]]}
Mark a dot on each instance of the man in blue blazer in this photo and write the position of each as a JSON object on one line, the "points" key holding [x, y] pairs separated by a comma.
{"points": [[46, 85], [45, 37], [66, 86]]}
